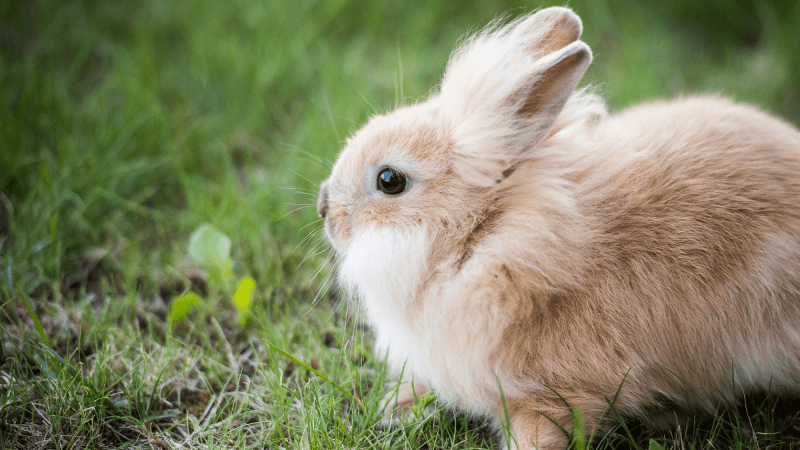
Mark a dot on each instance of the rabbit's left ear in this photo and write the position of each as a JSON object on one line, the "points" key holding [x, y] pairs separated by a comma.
{"points": [[550, 38], [508, 85], [547, 31], [542, 96]]}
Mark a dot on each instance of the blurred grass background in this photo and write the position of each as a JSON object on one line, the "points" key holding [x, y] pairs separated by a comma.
{"points": [[124, 125]]}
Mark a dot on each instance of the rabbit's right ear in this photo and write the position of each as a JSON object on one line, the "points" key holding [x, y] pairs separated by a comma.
{"points": [[504, 88]]}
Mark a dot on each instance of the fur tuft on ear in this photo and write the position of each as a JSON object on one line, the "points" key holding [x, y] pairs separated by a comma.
{"points": [[506, 86]]}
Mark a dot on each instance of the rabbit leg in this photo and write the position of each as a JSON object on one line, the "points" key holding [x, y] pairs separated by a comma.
{"points": [[544, 423], [532, 430]]}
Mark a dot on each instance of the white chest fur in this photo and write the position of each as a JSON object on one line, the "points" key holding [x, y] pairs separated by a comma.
{"points": [[435, 335], [383, 269]]}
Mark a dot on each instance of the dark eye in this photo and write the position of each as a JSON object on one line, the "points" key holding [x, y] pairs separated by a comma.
{"points": [[391, 182]]}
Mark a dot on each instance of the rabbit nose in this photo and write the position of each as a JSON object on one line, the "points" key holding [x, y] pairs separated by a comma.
{"points": [[322, 201]]}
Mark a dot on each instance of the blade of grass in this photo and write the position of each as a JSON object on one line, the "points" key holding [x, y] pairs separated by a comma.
{"points": [[35, 319], [93, 390], [152, 396], [507, 436], [310, 369], [622, 423], [616, 394], [566, 433], [155, 417], [578, 429]]}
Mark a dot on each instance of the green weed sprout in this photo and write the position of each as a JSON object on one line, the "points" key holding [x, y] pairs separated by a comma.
{"points": [[182, 305], [243, 299], [418, 408], [212, 249]]}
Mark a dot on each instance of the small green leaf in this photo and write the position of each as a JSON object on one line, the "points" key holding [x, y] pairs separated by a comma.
{"points": [[426, 399], [209, 246], [423, 402], [182, 305], [243, 298], [655, 445], [212, 249]]}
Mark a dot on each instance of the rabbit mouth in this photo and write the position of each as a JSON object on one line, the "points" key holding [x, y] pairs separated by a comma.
{"points": [[337, 230], [330, 235]]}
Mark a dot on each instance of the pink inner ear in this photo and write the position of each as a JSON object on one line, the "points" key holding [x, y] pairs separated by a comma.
{"points": [[552, 88], [564, 31]]}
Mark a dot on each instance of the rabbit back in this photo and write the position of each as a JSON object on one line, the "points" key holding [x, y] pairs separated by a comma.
{"points": [[688, 217]]}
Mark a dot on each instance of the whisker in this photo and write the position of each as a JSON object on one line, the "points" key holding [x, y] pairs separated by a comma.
{"points": [[328, 282], [353, 121], [302, 176], [318, 295], [294, 210], [298, 190], [295, 149], [374, 110], [400, 70], [357, 339], [311, 255], [305, 240], [321, 266], [314, 239], [325, 289], [330, 116], [311, 223], [318, 159]]}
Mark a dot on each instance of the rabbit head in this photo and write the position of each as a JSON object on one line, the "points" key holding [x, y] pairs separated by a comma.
{"points": [[410, 187]]}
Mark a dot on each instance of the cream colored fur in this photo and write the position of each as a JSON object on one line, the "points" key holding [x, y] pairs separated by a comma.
{"points": [[550, 247]]}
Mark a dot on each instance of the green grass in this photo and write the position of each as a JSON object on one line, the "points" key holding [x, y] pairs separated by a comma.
{"points": [[126, 125]]}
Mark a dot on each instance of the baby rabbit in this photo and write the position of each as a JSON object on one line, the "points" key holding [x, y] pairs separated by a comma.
{"points": [[509, 239]]}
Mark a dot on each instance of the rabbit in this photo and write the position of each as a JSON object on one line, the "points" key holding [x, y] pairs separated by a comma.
{"points": [[525, 255]]}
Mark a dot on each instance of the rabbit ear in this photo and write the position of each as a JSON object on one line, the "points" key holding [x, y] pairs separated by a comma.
{"points": [[549, 30], [505, 87], [541, 97]]}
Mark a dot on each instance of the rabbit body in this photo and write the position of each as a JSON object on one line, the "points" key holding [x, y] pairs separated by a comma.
{"points": [[566, 256]]}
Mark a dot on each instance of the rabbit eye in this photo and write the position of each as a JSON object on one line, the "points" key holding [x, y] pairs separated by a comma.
{"points": [[391, 182]]}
